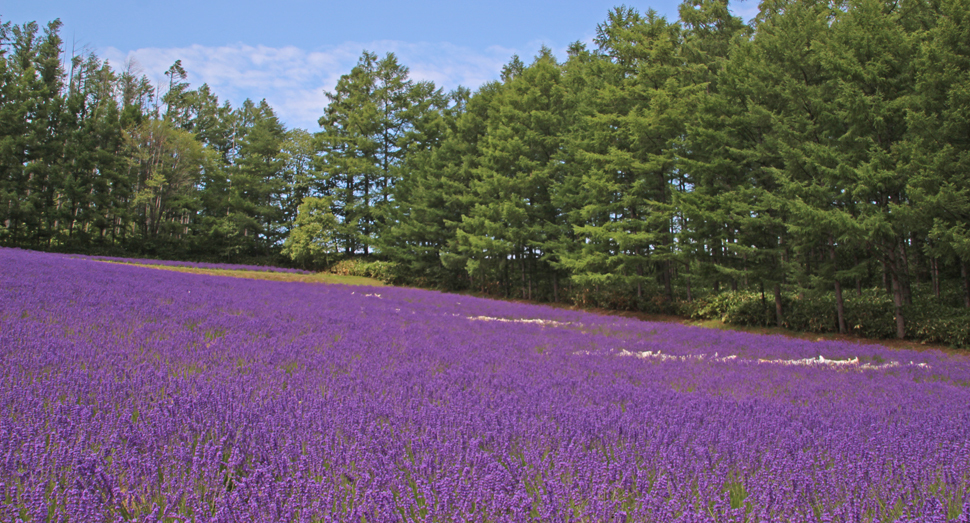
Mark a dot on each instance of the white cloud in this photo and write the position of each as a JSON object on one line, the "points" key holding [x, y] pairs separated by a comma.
{"points": [[747, 10], [293, 80]]}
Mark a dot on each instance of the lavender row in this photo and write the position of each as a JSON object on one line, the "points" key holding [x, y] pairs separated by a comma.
{"points": [[158, 396], [196, 265]]}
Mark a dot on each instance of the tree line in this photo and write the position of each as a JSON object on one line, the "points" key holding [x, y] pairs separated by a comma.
{"points": [[93, 159], [821, 148]]}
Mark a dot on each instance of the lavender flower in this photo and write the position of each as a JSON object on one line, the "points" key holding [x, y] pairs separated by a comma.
{"points": [[132, 395]]}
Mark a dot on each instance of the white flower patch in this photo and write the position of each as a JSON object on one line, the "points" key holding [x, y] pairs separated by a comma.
{"points": [[850, 363], [374, 295], [509, 320], [670, 357], [820, 361]]}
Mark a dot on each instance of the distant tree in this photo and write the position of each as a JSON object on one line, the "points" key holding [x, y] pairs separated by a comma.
{"points": [[297, 152], [31, 123], [312, 242], [636, 114], [256, 182], [91, 206], [514, 216], [429, 193], [368, 128], [165, 165]]}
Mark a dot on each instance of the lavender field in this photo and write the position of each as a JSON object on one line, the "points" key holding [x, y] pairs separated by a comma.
{"points": [[134, 394]]}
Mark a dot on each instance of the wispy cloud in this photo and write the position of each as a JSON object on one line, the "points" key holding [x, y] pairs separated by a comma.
{"points": [[747, 10], [293, 80]]}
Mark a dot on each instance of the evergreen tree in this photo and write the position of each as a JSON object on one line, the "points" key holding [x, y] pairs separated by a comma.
{"points": [[429, 199], [256, 182], [520, 169], [637, 116], [30, 145], [368, 128], [91, 202], [939, 144]]}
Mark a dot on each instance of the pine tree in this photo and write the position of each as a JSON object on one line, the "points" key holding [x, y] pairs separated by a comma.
{"points": [[939, 144], [638, 115], [91, 202], [520, 169], [256, 181], [429, 194], [30, 145], [368, 129]]}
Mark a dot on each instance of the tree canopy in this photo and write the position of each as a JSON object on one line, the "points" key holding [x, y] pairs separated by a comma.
{"points": [[820, 150]]}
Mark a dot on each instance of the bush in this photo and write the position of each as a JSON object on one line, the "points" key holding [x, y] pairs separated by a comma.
{"points": [[380, 270], [935, 321], [717, 306], [622, 298], [871, 315], [384, 271]]}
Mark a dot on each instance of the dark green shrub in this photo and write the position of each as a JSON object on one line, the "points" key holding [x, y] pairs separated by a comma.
{"points": [[936, 321], [379, 270], [717, 306], [871, 315], [384, 271]]}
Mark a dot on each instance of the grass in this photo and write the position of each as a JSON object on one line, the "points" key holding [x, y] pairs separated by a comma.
{"points": [[320, 277]]}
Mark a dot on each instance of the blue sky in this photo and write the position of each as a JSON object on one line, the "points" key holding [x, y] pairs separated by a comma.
{"points": [[291, 51]]}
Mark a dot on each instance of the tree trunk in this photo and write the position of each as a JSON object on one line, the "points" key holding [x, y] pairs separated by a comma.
{"points": [[532, 270], [555, 288], [639, 281], [858, 280], [779, 317], [745, 270], [885, 277], [903, 271], [966, 284], [935, 274], [668, 280], [916, 260], [839, 304], [690, 297], [898, 303], [507, 280]]}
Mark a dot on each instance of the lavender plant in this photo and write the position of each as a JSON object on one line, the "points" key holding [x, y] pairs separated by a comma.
{"points": [[135, 395]]}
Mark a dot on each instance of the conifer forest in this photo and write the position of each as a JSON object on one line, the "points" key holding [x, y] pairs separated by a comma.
{"points": [[809, 169]]}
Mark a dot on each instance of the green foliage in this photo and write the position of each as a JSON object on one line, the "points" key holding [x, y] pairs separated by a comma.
{"points": [[374, 119], [820, 151], [633, 116], [870, 315], [952, 329], [716, 306], [386, 272], [312, 242], [511, 218]]}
